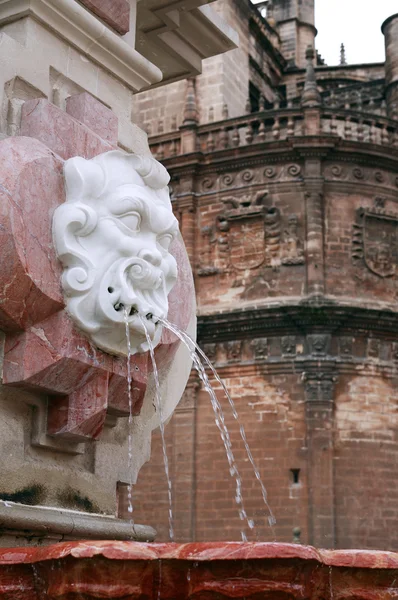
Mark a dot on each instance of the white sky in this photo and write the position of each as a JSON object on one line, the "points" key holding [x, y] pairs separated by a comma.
{"points": [[356, 23]]}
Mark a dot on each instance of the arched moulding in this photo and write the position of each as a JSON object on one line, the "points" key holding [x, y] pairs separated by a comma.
{"points": [[113, 237]]}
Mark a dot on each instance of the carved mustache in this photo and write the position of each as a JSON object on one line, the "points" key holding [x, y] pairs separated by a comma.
{"points": [[141, 287], [144, 274]]}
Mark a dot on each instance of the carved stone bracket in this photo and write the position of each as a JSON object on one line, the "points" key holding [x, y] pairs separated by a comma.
{"points": [[319, 386], [319, 344]]}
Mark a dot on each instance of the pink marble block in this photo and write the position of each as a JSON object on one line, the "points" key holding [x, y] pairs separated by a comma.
{"points": [[63, 134], [118, 400], [44, 351], [116, 13], [55, 358], [81, 415], [31, 186], [92, 113], [197, 571]]}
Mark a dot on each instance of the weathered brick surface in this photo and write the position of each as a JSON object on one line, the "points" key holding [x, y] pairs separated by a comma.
{"points": [[273, 418], [315, 388]]}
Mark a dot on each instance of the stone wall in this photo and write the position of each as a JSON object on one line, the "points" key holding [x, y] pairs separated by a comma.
{"points": [[293, 244]]}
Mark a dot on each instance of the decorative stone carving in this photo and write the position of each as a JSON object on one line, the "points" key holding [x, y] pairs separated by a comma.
{"points": [[288, 345], [272, 227], [233, 350], [112, 236], [346, 347], [211, 351], [44, 350], [261, 227], [260, 348], [207, 258], [319, 387], [374, 348], [375, 239], [293, 253], [319, 344]]}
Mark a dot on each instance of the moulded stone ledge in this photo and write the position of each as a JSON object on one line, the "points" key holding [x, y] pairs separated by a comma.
{"points": [[44, 522], [83, 30]]}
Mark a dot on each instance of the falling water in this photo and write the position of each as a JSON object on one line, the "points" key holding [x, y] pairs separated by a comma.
{"points": [[220, 422], [130, 423], [158, 404]]}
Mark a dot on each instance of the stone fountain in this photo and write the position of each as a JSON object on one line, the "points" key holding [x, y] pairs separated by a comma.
{"points": [[89, 247]]}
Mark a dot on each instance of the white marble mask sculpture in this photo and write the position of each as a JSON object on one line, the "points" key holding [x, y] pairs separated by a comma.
{"points": [[112, 236]]}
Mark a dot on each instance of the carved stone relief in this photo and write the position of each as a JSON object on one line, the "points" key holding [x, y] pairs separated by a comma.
{"points": [[346, 347], [374, 348], [319, 344], [112, 236], [260, 348], [375, 239], [249, 236], [233, 350], [211, 351], [288, 345], [319, 387]]}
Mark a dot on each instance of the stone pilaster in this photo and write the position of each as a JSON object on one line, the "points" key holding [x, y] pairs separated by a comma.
{"points": [[319, 397], [315, 227]]}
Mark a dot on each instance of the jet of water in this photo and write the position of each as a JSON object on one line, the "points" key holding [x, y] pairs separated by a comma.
{"points": [[220, 421], [193, 348], [158, 405], [130, 422]]}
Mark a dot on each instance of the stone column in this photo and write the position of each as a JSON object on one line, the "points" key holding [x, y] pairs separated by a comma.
{"points": [[319, 397], [390, 31]]}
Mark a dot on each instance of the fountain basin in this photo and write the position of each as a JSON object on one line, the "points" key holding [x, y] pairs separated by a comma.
{"points": [[131, 570]]}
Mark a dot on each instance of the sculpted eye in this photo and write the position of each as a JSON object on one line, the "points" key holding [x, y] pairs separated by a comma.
{"points": [[131, 220], [165, 240]]}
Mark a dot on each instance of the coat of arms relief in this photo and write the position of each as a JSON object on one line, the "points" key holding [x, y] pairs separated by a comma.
{"points": [[375, 239], [248, 238]]}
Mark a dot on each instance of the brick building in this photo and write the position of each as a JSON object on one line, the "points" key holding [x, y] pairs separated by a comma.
{"points": [[285, 182]]}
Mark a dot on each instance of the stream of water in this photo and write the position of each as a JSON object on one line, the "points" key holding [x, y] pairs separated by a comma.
{"points": [[197, 354], [200, 361], [158, 406], [130, 423], [271, 518]]}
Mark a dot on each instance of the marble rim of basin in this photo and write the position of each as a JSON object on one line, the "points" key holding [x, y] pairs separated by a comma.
{"points": [[133, 570]]}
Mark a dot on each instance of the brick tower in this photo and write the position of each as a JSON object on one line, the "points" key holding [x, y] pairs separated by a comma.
{"points": [[288, 207]]}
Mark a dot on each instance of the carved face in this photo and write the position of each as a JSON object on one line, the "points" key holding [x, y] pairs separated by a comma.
{"points": [[113, 236]]}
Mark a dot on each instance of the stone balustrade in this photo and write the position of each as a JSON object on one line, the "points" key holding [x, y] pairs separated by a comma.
{"points": [[277, 124]]}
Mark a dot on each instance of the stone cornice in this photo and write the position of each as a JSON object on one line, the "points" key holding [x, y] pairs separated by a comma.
{"points": [[324, 147], [81, 29], [302, 317], [177, 36]]}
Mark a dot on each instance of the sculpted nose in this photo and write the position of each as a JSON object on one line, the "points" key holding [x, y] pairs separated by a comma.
{"points": [[152, 256]]}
